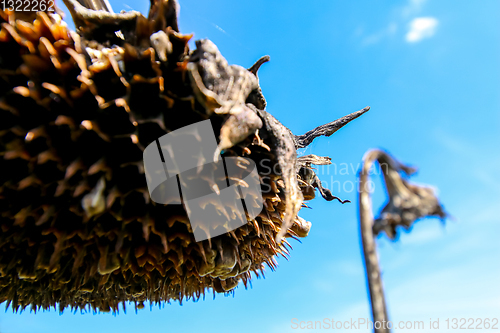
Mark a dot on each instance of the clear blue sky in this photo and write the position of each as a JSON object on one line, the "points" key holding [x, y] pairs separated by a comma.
{"points": [[430, 71]]}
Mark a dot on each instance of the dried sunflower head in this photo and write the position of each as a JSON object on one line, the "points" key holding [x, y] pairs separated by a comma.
{"points": [[77, 110]]}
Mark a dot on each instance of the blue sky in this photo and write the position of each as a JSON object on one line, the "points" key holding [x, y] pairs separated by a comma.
{"points": [[430, 71]]}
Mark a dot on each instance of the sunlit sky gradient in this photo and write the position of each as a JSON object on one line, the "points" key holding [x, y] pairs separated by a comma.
{"points": [[430, 71]]}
